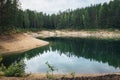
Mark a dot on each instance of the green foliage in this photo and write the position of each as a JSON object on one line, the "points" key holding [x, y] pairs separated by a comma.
{"points": [[100, 16], [0, 59], [2, 68], [8, 15], [52, 68], [94, 17], [16, 69], [7, 30], [49, 76], [72, 74]]}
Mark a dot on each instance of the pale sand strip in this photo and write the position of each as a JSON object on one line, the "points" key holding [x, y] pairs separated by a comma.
{"points": [[100, 34], [18, 43]]}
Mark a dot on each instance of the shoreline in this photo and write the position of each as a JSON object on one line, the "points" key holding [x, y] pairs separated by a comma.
{"points": [[18, 43], [114, 76], [99, 34], [21, 42], [70, 76]]}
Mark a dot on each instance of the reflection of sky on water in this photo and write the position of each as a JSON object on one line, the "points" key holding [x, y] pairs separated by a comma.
{"points": [[66, 64]]}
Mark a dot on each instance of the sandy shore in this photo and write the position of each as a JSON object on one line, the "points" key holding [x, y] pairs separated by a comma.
{"points": [[19, 43], [70, 76], [99, 34], [115, 76]]}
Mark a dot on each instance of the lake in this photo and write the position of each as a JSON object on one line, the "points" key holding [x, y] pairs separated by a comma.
{"points": [[82, 56]]}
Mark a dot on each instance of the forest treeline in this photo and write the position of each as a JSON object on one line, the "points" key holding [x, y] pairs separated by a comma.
{"points": [[100, 16]]}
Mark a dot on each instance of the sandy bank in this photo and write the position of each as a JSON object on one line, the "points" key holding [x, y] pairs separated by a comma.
{"points": [[19, 43], [67, 77], [70, 76], [100, 34]]}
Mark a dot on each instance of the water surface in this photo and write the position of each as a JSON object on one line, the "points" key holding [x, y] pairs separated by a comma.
{"points": [[72, 55]]}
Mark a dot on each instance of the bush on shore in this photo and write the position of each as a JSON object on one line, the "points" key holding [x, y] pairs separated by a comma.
{"points": [[14, 70]]}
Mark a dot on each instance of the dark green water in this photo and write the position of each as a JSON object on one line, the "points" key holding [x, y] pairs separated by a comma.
{"points": [[72, 55]]}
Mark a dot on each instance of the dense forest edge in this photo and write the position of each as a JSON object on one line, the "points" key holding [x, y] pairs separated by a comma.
{"points": [[100, 16]]}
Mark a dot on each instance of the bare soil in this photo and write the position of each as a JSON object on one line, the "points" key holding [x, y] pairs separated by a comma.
{"points": [[18, 43], [66, 77], [99, 34]]}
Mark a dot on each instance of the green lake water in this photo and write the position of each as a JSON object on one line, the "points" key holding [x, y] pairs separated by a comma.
{"points": [[82, 56]]}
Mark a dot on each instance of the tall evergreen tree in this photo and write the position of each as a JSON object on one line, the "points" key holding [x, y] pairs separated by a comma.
{"points": [[8, 12]]}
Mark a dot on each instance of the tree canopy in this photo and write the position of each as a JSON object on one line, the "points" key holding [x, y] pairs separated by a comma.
{"points": [[100, 16], [8, 14]]}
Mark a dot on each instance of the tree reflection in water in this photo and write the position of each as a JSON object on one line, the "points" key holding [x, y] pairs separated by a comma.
{"points": [[105, 51]]}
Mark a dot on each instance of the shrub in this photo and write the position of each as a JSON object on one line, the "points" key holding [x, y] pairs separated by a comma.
{"points": [[16, 69], [72, 74]]}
